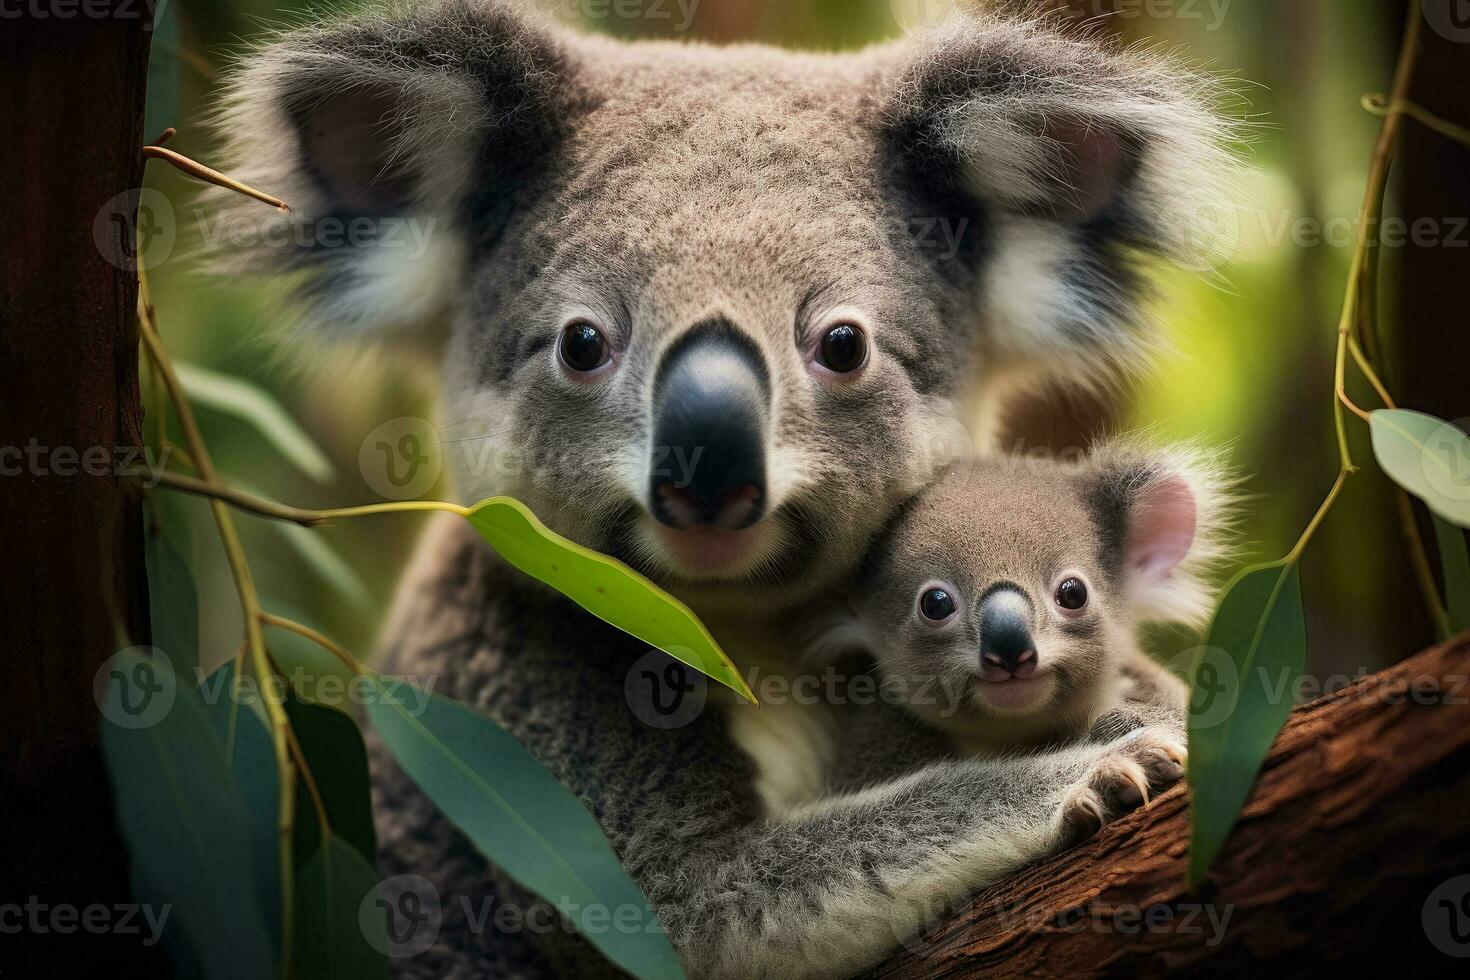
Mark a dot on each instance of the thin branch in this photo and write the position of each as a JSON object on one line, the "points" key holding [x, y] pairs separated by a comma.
{"points": [[1366, 367], [283, 512], [209, 175], [1301, 545], [321, 640], [1380, 105]]}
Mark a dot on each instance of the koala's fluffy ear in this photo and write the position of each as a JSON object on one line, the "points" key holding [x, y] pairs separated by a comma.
{"points": [[1164, 516], [1080, 156], [383, 131]]}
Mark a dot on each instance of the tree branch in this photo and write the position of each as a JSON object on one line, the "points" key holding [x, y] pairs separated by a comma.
{"points": [[1358, 815]]}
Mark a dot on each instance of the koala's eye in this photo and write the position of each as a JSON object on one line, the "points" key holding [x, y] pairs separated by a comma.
{"points": [[844, 349], [937, 604], [583, 347], [1072, 594]]}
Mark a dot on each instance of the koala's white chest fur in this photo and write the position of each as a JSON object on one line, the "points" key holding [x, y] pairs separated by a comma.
{"points": [[792, 739]]}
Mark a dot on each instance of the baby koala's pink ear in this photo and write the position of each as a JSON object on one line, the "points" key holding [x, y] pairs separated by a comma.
{"points": [[1165, 509], [1161, 527]]}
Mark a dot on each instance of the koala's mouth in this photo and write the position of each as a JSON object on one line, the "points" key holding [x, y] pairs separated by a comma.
{"points": [[1017, 695], [777, 551], [711, 553]]}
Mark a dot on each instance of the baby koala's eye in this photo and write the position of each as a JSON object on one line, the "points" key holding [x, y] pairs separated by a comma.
{"points": [[937, 604], [1072, 594]]}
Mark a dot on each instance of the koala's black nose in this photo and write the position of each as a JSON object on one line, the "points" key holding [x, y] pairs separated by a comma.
{"points": [[711, 399], [1006, 647]]}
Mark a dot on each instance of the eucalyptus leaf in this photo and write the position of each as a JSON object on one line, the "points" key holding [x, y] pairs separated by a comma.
{"points": [[173, 600], [1428, 457], [252, 404], [332, 939], [523, 820], [1254, 657], [249, 761], [604, 587], [333, 748], [1455, 560], [184, 822]]}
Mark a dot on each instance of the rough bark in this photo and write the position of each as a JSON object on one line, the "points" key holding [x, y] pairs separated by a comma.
{"points": [[1359, 814], [71, 574]]}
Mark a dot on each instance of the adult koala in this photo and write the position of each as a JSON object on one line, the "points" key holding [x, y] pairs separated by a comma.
{"points": [[693, 298]]}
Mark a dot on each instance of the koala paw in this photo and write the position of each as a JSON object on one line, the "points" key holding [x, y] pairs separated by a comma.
{"points": [[1127, 775]]}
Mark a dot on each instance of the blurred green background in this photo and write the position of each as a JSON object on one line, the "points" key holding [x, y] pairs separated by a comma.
{"points": [[1251, 370]]}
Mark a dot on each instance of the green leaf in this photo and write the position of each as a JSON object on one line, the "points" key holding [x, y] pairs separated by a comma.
{"points": [[184, 822], [161, 107], [248, 759], [173, 601], [332, 937], [252, 404], [1428, 457], [334, 751], [523, 820], [1254, 658], [606, 588], [1455, 560]]}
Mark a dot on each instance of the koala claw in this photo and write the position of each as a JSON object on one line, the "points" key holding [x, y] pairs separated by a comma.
{"points": [[1123, 779]]}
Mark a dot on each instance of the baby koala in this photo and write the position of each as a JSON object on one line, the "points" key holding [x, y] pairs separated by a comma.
{"points": [[1002, 606]]}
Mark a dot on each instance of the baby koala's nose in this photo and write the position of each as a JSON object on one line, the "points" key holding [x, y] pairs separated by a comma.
{"points": [[1006, 647]]}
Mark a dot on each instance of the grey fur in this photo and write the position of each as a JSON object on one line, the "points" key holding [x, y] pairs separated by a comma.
{"points": [[647, 187]]}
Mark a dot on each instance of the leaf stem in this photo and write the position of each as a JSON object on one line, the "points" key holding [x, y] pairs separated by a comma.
{"points": [[284, 512], [1301, 545], [321, 640]]}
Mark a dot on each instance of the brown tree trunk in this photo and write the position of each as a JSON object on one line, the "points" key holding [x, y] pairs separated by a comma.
{"points": [[71, 572], [1357, 821]]}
